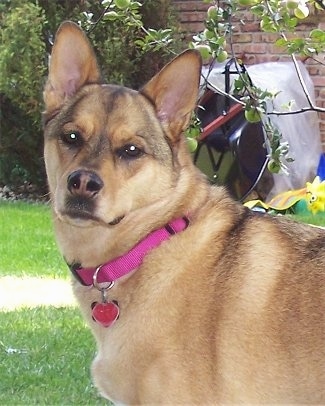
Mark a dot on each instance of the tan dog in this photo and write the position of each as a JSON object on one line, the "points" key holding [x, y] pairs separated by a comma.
{"points": [[227, 309]]}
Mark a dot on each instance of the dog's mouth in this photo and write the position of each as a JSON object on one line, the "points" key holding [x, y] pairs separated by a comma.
{"points": [[81, 212]]}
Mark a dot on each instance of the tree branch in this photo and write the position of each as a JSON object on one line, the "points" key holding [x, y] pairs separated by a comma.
{"points": [[302, 110]]}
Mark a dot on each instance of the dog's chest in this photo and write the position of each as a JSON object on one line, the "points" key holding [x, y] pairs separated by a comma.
{"points": [[112, 369], [126, 352], [138, 347]]}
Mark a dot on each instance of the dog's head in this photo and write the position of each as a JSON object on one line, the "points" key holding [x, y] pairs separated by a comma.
{"points": [[110, 150]]}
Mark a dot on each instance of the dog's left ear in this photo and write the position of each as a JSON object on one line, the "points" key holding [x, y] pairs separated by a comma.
{"points": [[174, 91], [72, 65]]}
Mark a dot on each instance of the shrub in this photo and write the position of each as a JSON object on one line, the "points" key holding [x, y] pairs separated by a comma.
{"points": [[22, 67]]}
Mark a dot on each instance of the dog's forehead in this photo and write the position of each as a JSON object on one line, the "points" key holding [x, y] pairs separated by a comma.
{"points": [[101, 109], [107, 99], [111, 106]]}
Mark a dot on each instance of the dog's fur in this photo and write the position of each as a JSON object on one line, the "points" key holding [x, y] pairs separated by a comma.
{"points": [[230, 310]]}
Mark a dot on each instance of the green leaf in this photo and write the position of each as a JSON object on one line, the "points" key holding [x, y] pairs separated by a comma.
{"points": [[112, 15], [317, 34], [281, 42]]}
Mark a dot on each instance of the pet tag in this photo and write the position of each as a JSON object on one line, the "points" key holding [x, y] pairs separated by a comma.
{"points": [[105, 313]]}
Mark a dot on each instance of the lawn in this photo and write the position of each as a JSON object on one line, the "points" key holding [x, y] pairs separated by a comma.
{"points": [[317, 220], [45, 352], [27, 245], [45, 356]]}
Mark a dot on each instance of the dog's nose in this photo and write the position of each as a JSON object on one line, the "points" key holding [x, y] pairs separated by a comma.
{"points": [[84, 183]]}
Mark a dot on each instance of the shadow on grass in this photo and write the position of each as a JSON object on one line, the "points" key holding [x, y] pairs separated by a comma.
{"points": [[45, 357]]}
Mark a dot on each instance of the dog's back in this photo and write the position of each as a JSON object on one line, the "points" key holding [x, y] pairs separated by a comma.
{"points": [[271, 325]]}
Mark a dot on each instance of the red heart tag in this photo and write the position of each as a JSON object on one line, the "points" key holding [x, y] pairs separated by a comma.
{"points": [[105, 313]]}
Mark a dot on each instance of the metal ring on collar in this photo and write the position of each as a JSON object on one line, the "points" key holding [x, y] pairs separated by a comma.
{"points": [[96, 284]]}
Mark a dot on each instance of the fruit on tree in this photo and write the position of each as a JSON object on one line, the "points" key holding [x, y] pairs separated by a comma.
{"points": [[222, 56], [212, 13], [252, 115], [191, 144], [205, 52]]}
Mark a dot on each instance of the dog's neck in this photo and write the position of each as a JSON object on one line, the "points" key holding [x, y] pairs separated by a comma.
{"points": [[90, 246], [124, 264]]}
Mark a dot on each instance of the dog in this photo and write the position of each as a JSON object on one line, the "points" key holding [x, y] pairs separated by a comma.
{"points": [[191, 297]]}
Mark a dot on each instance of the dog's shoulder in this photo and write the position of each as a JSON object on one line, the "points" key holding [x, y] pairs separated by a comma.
{"points": [[236, 225]]}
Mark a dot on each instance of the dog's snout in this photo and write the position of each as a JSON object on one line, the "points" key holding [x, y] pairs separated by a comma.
{"points": [[84, 183]]}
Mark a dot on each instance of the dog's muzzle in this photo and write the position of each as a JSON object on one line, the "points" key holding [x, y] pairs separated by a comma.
{"points": [[83, 187]]}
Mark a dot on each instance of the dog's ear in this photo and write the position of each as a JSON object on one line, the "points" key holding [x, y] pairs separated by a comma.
{"points": [[72, 65], [174, 91]]}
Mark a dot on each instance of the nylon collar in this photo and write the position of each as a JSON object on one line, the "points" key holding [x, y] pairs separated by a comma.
{"points": [[121, 266]]}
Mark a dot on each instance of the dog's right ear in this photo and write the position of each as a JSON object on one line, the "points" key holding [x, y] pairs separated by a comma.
{"points": [[72, 64]]}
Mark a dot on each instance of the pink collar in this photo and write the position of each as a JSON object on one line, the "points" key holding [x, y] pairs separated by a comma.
{"points": [[118, 267]]}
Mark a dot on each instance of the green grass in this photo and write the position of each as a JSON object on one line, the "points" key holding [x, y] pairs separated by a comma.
{"points": [[317, 220], [45, 357], [27, 245]]}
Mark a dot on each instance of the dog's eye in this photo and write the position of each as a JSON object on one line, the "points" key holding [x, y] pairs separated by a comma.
{"points": [[129, 151], [72, 138]]}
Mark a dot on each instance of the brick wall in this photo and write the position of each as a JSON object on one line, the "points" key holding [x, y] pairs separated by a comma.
{"points": [[255, 46], [191, 14]]}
